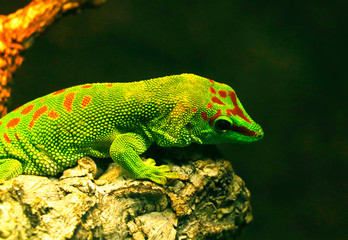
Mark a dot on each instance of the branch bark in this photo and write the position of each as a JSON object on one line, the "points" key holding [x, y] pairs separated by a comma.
{"points": [[18, 31], [208, 202]]}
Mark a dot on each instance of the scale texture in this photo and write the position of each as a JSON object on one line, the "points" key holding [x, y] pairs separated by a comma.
{"points": [[121, 120]]}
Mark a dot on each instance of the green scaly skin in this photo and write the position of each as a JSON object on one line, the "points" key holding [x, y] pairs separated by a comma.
{"points": [[121, 120]]}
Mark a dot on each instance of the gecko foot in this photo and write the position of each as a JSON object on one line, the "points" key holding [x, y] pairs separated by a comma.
{"points": [[157, 174]]}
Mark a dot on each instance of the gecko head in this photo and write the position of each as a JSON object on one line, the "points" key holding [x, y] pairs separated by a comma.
{"points": [[225, 129], [222, 118]]}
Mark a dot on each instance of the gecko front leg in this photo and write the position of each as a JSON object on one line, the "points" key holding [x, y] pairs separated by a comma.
{"points": [[125, 151]]}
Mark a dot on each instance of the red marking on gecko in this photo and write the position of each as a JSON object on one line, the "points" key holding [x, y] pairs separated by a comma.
{"points": [[16, 135], [210, 105], [212, 90], [109, 85], [37, 114], [216, 100], [58, 92], [194, 109], [13, 122], [27, 109], [85, 101], [217, 114], [87, 86], [16, 109], [236, 110], [52, 114], [0, 123], [223, 93], [211, 81], [204, 116], [7, 139], [68, 101]]}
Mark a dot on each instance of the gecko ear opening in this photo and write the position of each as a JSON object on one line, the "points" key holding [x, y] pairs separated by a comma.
{"points": [[222, 124]]}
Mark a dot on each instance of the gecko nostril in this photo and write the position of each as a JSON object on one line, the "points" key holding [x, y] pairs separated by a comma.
{"points": [[260, 134]]}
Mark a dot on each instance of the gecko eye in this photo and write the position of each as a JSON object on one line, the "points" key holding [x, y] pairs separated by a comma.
{"points": [[222, 124]]}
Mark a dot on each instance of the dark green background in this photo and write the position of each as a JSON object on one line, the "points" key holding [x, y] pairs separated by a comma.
{"points": [[284, 59]]}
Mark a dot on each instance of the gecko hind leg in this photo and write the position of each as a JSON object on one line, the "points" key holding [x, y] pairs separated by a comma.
{"points": [[9, 168]]}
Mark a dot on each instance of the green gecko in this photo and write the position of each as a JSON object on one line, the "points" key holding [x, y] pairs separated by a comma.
{"points": [[121, 120]]}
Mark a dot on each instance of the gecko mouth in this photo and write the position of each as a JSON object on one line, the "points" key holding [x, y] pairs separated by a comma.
{"points": [[244, 131]]}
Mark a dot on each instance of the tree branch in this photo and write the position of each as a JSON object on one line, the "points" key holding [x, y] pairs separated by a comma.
{"points": [[208, 202]]}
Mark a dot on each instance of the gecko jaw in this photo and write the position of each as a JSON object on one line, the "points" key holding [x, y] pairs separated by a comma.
{"points": [[244, 131]]}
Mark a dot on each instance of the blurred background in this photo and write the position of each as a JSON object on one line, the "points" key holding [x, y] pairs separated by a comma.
{"points": [[283, 58]]}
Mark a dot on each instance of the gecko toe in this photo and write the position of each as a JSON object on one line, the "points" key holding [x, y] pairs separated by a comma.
{"points": [[150, 161]]}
